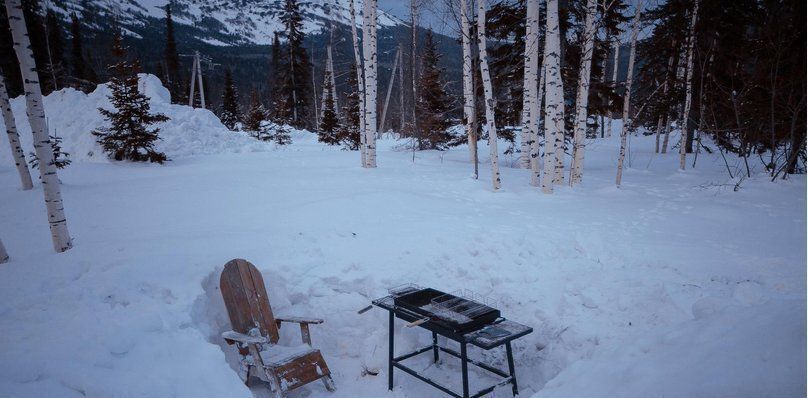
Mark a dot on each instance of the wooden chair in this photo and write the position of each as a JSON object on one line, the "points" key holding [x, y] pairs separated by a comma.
{"points": [[255, 330]]}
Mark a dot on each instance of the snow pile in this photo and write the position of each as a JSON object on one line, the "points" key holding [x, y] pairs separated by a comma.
{"points": [[73, 115]]}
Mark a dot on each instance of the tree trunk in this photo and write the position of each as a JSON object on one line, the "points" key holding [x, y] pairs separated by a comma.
{"points": [[663, 119], [688, 86], [554, 98], [369, 53], [635, 31], [14, 138], [615, 69], [39, 128], [413, 71], [489, 94], [360, 79], [529, 107], [582, 100], [535, 170], [3, 253], [389, 91], [469, 111]]}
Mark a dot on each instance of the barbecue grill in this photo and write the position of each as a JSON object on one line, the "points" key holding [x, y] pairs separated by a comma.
{"points": [[462, 316]]}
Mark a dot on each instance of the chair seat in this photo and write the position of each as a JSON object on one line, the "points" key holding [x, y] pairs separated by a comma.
{"points": [[277, 355]]}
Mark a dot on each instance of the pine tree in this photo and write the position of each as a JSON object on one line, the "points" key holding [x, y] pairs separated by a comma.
{"points": [[255, 115], [329, 125], [61, 159], [80, 69], [172, 60], [229, 114], [433, 104], [55, 69], [295, 68], [349, 132], [129, 137], [32, 12], [275, 79], [8, 60]]}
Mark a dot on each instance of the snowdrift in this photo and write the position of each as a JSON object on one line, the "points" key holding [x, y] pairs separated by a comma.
{"points": [[73, 115]]}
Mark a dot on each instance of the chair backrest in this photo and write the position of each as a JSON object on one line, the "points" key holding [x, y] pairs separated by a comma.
{"points": [[246, 299]]}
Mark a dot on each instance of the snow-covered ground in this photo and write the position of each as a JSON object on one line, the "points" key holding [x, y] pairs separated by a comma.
{"points": [[673, 285]]}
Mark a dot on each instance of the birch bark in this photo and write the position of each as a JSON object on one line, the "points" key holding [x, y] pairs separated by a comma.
{"points": [[554, 98], [14, 138], [489, 95], [369, 53], [360, 80], [535, 169], [615, 68], [529, 98], [689, 86], [582, 100], [39, 128], [635, 31], [468, 85]]}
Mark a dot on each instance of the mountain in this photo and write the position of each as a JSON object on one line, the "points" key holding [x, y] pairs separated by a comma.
{"points": [[220, 22]]}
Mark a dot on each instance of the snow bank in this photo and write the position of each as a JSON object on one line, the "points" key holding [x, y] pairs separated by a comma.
{"points": [[73, 115]]}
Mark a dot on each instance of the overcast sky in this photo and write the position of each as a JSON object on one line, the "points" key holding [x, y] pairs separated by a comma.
{"points": [[432, 15]]}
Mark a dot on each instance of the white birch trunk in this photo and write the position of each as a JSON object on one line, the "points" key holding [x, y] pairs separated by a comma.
{"points": [[529, 92], [39, 128], [554, 98], [3, 253], [627, 122], [615, 68], [689, 86], [582, 100], [663, 120], [360, 79], [489, 94], [328, 77], [369, 53], [468, 84], [401, 122], [14, 138], [535, 169]]}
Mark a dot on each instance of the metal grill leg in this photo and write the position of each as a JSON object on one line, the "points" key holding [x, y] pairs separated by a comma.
{"points": [[390, 360], [465, 369], [509, 353], [435, 346]]}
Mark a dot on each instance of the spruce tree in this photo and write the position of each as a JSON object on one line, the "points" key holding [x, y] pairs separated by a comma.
{"points": [[329, 125], [55, 69], [61, 159], [433, 104], [80, 69], [172, 60], [349, 132], [295, 68], [255, 115], [276, 114], [9, 67], [129, 136], [229, 114]]}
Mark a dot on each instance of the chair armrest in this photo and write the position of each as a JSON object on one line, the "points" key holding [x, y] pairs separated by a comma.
{"points": [[299, 319], [232, 337]]}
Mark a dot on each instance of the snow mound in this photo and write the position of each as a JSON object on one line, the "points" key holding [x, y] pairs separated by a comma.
{"points": [[73, 115]]}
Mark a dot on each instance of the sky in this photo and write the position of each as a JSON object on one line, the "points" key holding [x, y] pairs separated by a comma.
{"points": [[431, 14]]}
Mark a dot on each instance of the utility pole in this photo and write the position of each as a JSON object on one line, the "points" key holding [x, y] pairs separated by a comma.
{"points": [[196, 74]]}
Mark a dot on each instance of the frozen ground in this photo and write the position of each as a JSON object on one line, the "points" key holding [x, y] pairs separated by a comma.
{"points": [[673, 285]]}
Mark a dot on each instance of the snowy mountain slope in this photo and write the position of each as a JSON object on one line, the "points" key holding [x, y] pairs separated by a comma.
{"points": [[221, 22], [670, 286]]}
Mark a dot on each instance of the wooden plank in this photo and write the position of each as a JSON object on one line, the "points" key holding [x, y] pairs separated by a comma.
{"points": [[302, 370], [262, 302], [235, 298]]}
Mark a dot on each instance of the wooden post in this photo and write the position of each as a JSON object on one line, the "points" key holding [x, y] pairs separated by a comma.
{"points": [[193, 83], [201, 85]]}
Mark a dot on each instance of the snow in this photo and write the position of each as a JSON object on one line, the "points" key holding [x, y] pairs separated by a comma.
{"points": [[673, 285]]}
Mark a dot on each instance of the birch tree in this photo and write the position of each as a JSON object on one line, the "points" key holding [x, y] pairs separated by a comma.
{"points": [[535, 169], [39, 127], [488, 92], [615, 68], [360, 79], [529, 107], [688, 86], [582, 98], [14, 138], [554, 99], [635, 31], [468, 85], [369, 53], [3, 253]]}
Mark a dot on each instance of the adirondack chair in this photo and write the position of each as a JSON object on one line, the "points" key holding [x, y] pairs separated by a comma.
{"points": [[256, 331]]}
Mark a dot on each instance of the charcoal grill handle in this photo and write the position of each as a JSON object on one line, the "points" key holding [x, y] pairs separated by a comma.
{"points": [[364, 310], [417, 322]]}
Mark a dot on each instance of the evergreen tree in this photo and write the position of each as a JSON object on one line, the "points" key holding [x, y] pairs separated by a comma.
{"points": [[55, 69], [329, 125], [349, 132], [129, 136], [80, 70], [61, 159], [276, 114], [229, 114], [172, 60], [9, 67], [295, 68], [255, 115], [32, 12], [433, 104]]}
